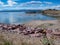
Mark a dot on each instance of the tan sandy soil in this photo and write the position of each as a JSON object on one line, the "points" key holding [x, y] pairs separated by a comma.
{"points": [[39, 22]]}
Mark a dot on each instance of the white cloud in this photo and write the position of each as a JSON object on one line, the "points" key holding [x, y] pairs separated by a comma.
{"points": [[28, 5], [48, 2], [1, 3], [55, 7], [35, 3], [31, 3], [11, 3], [58, 6]]}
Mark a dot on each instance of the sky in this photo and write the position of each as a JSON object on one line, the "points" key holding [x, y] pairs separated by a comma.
{"points": [[29, 4]]}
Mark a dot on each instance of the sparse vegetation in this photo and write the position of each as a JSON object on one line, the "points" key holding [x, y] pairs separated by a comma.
{"points": [[18, 41], [45, 25], [4, 41], [51, 12], [8, 38]]}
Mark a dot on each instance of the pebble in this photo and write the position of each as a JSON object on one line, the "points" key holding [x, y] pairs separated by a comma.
{"points": [[36, 32]]}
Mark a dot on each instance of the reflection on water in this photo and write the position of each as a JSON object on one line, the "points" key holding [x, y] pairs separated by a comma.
{"points": [[20, 17]]}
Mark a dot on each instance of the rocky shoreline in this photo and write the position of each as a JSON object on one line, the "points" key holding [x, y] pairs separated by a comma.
{"points": [[25, 30], [22, 29], [22, 33]]}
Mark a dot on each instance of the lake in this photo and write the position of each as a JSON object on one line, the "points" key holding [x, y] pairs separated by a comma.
{"points": [[21, 17]]}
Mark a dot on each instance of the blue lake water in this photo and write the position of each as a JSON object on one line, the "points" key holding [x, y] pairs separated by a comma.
{"points": [[21, 17]]}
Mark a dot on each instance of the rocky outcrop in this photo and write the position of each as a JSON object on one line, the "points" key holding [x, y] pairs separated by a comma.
{"points": [[51, 12]]}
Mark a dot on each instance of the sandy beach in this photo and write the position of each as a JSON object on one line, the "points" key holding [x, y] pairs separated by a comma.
{"points": [[40, 22]]}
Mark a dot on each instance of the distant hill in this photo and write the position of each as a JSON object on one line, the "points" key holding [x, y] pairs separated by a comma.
{"points": [[20, 10], [52, 12]]}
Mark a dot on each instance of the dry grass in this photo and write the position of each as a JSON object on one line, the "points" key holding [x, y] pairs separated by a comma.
{"points": [[8, 38], [4, 41], [17, 39]]}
